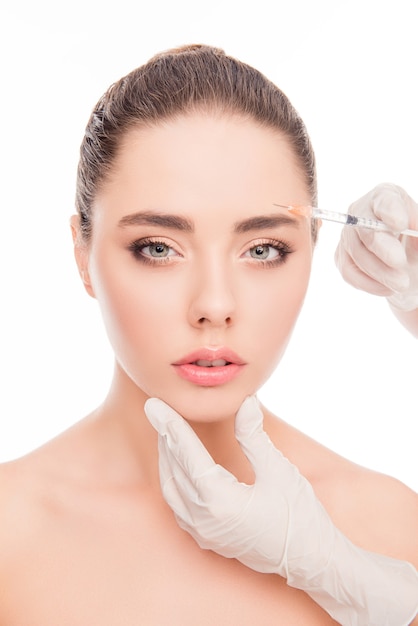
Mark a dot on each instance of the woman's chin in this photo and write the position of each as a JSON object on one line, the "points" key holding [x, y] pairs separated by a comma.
{"points": [[212, 411]]}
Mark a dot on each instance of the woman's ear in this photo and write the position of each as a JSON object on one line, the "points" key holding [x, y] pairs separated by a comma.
{"points": [[81, 254]]}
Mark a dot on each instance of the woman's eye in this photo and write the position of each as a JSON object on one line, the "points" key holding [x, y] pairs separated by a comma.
{"points": [[264, 252], [157, 250], [269, 254], [152, 251]]}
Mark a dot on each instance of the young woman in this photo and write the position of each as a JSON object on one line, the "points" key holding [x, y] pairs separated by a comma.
{"points": [[200, 277]]}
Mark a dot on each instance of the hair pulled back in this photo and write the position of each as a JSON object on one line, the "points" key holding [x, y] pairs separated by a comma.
{"points": [[176, 82]]}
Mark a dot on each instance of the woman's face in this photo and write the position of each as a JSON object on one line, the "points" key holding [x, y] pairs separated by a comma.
{"points": [[200, 278]]}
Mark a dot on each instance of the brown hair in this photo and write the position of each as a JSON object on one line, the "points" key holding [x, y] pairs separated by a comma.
{"points": [[173, 83]]}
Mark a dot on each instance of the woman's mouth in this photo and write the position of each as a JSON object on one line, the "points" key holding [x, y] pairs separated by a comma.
{"points": [[209, 367], [215, 363]]}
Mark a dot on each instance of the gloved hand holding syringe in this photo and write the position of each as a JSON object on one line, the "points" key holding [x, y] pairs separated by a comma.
{"points": [[380, 254], [384, 263]]}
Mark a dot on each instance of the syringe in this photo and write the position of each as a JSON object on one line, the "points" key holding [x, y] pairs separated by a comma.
{"points": [[344, 218]]}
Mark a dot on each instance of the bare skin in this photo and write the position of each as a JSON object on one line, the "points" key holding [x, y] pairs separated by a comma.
{"points": [[87, 538]]}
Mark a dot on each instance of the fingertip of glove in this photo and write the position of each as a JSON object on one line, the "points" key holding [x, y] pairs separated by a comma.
{"points": [[151, 410], [249, 405], [158, 414], [249, 417], [390, 206]]}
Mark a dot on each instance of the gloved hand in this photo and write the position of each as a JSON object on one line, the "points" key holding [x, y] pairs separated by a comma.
{"points": [[378, 262], [276, 525]]}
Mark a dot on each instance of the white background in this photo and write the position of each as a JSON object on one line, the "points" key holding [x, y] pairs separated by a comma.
{"points": [[349, 377]]}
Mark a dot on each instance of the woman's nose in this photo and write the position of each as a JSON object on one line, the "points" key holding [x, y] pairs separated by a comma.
{"points": [[212, 302]]}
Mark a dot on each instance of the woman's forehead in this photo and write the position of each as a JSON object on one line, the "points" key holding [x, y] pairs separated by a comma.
{"points": [[203, 147]]}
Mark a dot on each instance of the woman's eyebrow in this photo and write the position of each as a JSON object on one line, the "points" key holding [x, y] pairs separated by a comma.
{"points": [[265, 221], [178, 222], [166, 220]]}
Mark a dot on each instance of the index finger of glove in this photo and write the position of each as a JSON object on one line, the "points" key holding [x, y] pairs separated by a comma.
{"points": [[274, 472], [180, 438], [250, 434], [392, 205], [385, 246], [386, 202], [178, 491], [378, 254]]}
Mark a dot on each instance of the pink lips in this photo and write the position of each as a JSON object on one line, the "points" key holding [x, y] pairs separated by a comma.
{"points": [[210, 367]]}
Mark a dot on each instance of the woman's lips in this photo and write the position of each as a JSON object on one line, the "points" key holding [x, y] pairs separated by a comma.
{"points": [[209, 367]]}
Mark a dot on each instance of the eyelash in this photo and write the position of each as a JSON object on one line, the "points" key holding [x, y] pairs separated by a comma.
{"points": [[137, 247], [283, 249]]}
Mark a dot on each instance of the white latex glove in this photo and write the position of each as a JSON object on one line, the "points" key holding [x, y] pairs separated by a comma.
{"points": [[382, 263], [276, 525]]}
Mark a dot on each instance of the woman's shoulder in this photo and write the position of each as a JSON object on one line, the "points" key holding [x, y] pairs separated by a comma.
{"points": [[376, 511], [30, 488], [21, 489], [16, 487], [19, 514]]}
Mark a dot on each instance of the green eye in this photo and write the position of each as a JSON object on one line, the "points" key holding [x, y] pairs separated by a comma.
{"points": [[263, 251], [268, 253], [150, 251], [157, 250]]}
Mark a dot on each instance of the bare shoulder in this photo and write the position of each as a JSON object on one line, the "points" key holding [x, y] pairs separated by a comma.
{"points": [[15, 488], [377, 512], [19, 517], [20, 496], [30, 490]]}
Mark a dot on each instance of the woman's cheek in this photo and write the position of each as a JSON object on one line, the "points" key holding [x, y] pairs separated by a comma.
{"points": [[277, 306], [141, 310]]}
